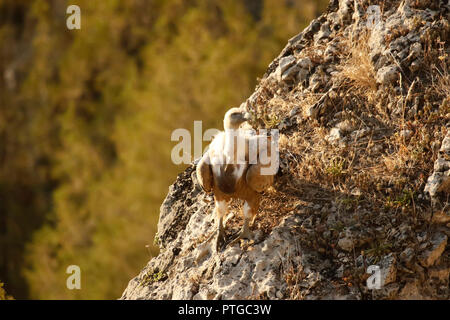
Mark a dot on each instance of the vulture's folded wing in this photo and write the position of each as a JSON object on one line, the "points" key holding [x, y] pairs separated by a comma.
{"points": [[259, 176], [204, 173], [257, 181]]}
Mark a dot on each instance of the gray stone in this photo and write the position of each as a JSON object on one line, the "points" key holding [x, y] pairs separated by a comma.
{"points": [[411, 291], [324, 32], [347, 243], [406, 134], [388, 269], [302, 75], [334, 136], [440, 273], [407, 256], [441, 164], [438, 243], [445, 145], [387, 75], [416, 50], [290, 73], [439, 181], [345, 126], [286, 63], [386, 292], [294, 111], [345, 11], [305, 63]]}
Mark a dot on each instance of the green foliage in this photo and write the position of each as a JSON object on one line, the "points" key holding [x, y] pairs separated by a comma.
{"points": [[378, 249], [269, 121], [349, 202], [86, 118], [405, 199], [153, 276], [336, 168]]}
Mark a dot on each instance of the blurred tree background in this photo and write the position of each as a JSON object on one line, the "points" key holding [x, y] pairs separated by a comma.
{"points": [[86, 118]]}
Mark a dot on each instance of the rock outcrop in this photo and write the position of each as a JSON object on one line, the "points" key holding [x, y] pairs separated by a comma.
{"points": [[361, 99]]}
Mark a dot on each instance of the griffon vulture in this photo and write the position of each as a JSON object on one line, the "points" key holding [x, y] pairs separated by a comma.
{"points": [[236, 165]]}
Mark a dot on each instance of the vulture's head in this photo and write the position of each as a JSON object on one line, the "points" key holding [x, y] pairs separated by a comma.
{"points": [[234, 118]]}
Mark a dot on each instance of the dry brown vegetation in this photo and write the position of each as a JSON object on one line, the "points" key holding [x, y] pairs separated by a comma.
{"points": [[356, 68]]}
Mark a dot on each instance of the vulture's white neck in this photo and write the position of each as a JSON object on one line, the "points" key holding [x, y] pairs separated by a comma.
{"points": [[234, 146]]}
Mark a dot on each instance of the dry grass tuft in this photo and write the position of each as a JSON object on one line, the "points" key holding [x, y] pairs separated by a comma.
{"points": [[441, 83], [357, 69]]}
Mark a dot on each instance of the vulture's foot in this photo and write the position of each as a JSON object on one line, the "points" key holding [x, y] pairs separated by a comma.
{"points": [[245, 233], [221, 238]]}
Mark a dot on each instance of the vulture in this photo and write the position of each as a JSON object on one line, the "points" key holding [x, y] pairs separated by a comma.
{"points": [[237, 165]]}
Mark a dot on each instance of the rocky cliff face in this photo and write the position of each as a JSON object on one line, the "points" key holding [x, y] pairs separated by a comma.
{"points": [[361, 99]]}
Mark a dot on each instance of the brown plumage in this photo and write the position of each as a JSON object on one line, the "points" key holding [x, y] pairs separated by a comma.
{"points": [[229, 170]]}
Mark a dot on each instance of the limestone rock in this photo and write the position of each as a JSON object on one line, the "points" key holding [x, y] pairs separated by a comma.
{"points": [[334, 136], [407, 256], [438, 243], [290, 73], [387, 75], [348, 241], [388, 269], [440, 273], [411, 291], [439, 181], [305, 63], [389, 291], [285, 68]]}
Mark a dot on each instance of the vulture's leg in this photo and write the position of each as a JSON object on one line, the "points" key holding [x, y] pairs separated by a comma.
{"points": [[245, 232], [220, 208]]}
